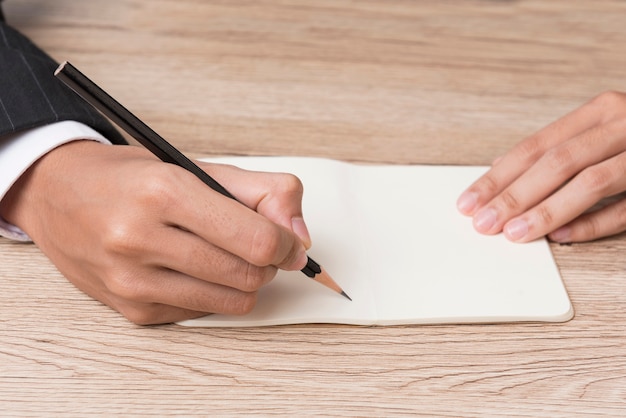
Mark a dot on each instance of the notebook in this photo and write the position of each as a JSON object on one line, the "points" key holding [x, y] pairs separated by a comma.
{"points": [[392, 238]]}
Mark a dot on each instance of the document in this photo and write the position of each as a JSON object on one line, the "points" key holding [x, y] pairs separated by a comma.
{"points": [[392, 238]]}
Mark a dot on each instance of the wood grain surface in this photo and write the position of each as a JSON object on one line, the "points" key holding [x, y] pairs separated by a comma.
{"points": [[446, 82]]}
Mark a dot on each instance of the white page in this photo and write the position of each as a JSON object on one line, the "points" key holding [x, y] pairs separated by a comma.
{"points": [[450, 273], [393, 240]]}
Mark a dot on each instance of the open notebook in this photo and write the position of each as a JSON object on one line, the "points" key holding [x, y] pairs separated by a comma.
{"points": [[393, 240]]}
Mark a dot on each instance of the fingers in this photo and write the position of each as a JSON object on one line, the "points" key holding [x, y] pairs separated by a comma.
{"points": [[508, 168], [562, 162], [208, 253], [171, 274], [179, 199], [190, 254], [604, 222], [277, 196], [156, 314], [263, 233], [166, 296], [247, 234], [553, 177], [581, 193], [150, 239], [211, 253]]}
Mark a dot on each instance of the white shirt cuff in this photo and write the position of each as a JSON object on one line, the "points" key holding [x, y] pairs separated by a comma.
{"points": [[21, 150]]}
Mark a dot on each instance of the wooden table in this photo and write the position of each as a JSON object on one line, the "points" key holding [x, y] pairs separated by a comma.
{"points": [[448, 82]]}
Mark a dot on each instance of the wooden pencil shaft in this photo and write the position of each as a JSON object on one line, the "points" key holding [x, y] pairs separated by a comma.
{"points": [[111, 108]]}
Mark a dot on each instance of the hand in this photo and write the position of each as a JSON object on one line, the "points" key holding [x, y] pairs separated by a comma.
{"points": [[547, 183], [151, 240]]}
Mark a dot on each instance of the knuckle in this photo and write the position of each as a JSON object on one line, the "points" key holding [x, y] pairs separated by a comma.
{"points": [[531, 149], [510, 201], [595, 180], [559, 159], [612, 103], [290, 184], [158, 190], [610, 98], [241, 304], [590, 226], [255, 278], [160, 187], [156, 195], [119, 237], [545, 215], [489, 185], [124, 286], [247, 303], [265, 244], [139, 315], [620, 219]]}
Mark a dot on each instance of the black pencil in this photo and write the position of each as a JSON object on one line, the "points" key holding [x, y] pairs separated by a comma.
{"points": [[112, 109]]}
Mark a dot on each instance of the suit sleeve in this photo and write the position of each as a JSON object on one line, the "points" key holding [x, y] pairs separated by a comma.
{"points": [[30, 95]]}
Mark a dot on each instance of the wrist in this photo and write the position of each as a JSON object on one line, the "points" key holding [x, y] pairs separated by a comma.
{"points": [[20, 150], [22, 207]]}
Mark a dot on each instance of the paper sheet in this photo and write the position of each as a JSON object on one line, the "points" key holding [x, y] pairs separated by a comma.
{"points": [[392, 238]]}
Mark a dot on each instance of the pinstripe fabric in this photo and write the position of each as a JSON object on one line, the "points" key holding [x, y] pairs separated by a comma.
{"points": [[31, 96]]}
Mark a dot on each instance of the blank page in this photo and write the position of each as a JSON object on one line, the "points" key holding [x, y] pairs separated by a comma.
{"points": [[393, 240]]}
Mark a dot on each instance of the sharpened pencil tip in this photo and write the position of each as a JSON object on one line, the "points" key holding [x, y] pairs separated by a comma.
{"points": [[324, 278]]}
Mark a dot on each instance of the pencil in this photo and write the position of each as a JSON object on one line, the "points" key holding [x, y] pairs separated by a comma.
{"points": [[165, 151]]}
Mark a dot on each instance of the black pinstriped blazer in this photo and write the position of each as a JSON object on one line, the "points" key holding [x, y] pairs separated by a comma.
{"points": [[31, 96]]}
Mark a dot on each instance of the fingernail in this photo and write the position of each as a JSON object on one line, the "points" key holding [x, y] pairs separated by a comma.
{"points": [[299, 228], [563, 234], [516, 229], [467, 202], [485, 219]]}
